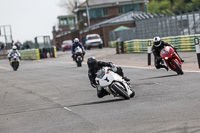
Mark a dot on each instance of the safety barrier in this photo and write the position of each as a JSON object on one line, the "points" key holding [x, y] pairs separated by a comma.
{"points": [[31, 54], [182, 43], [112, 44], [35, 54]]}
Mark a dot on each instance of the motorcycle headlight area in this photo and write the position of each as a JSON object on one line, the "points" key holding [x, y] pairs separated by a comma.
{"points": [[101, 73], [166, 58]]}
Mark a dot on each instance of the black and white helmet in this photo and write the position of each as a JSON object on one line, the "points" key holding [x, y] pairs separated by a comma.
{"points": [[157, 41]]}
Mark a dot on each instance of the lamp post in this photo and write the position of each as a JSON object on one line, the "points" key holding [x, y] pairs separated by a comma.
{"points": [[88, 15], [146, 1]]}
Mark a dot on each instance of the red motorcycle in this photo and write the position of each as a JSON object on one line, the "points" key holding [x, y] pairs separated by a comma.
{"points": [[171, 59]]}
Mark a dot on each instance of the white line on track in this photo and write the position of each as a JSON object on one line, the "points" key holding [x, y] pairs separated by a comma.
{"points": [[154, 68], [68, 109], [140, 67], [191, 71]]}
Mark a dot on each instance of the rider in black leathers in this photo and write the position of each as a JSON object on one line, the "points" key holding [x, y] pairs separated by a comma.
{"points": [[94, 66], [157, 47]]}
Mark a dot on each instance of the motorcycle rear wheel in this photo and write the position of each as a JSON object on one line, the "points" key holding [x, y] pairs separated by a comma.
{"points": [[120, 91], [178, 68]]}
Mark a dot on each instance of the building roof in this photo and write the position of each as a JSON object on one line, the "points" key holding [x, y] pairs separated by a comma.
{"points": [[127, 17], [100, 2], [106, 3], [64, 16], [121, 28]]}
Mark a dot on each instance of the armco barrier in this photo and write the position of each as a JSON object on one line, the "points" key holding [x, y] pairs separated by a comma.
{"points": [[182, 43], [35, 54]]}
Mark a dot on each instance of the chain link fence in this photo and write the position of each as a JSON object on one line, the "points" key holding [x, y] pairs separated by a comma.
{"points": [[163, 26]]}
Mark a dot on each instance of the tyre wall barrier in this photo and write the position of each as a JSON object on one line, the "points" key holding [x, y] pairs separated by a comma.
{"points": [[112, 44], [35, 54], [182, 43], [30, 54]]}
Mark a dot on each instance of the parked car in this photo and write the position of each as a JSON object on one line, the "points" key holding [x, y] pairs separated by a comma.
{"points": [[66, 45], [93, 40]]}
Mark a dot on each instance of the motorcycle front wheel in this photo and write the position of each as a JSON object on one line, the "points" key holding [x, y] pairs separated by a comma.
{"points": [[119, 89], [79, 63], [15, 66], [178, 68]]}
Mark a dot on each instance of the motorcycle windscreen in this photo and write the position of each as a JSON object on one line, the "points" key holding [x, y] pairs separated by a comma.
{"points": [[166, 52]]}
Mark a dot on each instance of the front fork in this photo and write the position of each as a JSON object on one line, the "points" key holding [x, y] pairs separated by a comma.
{"points": [[127, 86]]}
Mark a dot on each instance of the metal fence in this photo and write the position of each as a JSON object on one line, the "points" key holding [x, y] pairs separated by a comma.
{"points": [[163, 26]]}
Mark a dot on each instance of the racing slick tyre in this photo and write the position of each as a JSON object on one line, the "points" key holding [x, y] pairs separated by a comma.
{"points": [[133, 94], [79, 63], [119, 89], [15, 66], [178, 68]]}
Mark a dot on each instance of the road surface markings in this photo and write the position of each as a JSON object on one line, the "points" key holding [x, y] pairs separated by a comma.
{"points": [[68, 109], [71, 62], [67, 62], [155, 68], [138, 67], [4, 68]]}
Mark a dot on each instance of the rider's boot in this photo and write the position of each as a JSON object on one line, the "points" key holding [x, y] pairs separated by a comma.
{"points": [[83, 58], [101, 92], [166, 68]]}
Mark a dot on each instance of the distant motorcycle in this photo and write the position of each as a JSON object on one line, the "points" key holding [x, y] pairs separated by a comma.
{"points": [[14, 61], [113, 83], [171, 59], [78, 56]]}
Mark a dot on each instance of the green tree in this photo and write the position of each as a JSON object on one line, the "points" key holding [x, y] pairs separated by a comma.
{"points": [[177, 5], [1, 43], [158, 6], [195, 4], [27, 45]]}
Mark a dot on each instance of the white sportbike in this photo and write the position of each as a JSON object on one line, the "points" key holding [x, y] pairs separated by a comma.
{"points": [[78, 56], [113, 83]]}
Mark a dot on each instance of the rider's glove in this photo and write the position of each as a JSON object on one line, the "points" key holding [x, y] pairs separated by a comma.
{"points": [[111, 64], [174, 48], [114, 68]]}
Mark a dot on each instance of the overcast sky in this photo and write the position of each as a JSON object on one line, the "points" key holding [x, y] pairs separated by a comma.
{"points": [[30, 18]]}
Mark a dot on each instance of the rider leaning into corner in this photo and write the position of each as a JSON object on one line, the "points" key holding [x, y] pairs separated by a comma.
{"points": [[158, 45], [94, 66], [13, 51], [76, 44]]}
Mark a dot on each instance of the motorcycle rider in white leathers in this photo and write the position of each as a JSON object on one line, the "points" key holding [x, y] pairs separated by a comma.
{"points": [[13, 51]]}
